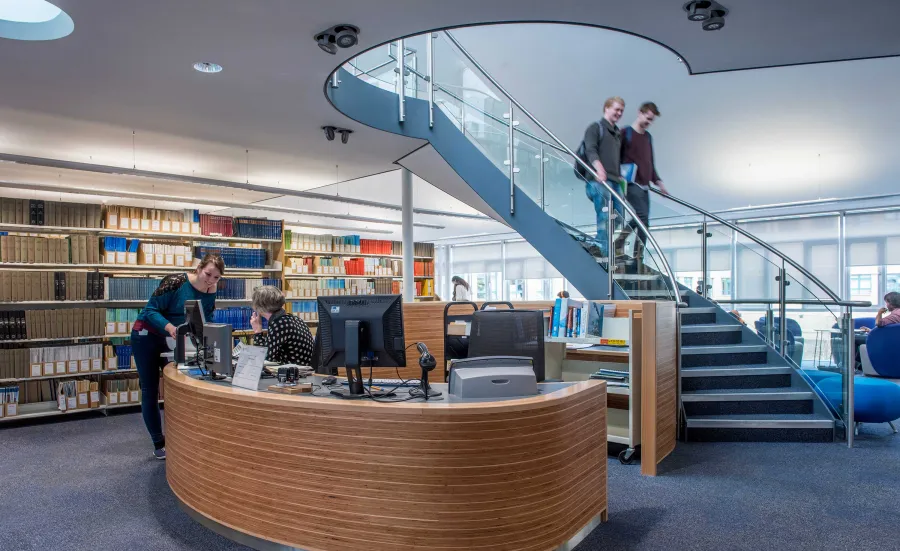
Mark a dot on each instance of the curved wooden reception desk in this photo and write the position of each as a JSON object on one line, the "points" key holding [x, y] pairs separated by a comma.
{"points": [[327, 474]]}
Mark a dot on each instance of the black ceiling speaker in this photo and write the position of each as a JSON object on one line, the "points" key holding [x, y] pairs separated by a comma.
{"points": [[715, 22], [709, 12], [339, 36], [698, 10]]}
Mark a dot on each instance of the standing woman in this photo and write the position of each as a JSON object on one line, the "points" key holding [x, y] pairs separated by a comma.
{"points": [[460, 289], [160, 319]]}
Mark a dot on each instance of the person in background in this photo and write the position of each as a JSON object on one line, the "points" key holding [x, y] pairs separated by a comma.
{"points": [[737, 315], [603, 150], [461, 292], [637, 149], [562, 294], [289, 340], [892, 309], [159, 319]]}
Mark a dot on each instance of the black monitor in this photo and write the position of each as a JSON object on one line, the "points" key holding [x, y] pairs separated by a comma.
{"points": [[194, 319], [359, 331]]}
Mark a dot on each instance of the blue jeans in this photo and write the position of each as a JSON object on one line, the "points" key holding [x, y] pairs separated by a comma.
{"points": [[147, 349], [598, 193]]}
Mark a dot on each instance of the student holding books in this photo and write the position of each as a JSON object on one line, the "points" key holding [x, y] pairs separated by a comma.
{"points": [[160, 319]]}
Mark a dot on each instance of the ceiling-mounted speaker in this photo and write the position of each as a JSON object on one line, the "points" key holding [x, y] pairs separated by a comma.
{"points": [[714, 23], [339, 36], [698, 10]]}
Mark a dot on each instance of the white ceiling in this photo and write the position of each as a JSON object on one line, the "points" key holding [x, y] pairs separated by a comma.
{"points": [[120, 90]]}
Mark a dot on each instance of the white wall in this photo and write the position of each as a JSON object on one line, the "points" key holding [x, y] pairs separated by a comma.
{"points": [[724, 140]]}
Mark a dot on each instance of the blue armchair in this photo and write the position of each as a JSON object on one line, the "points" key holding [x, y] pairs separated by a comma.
{"points": [[882, 348], [837, 350]]}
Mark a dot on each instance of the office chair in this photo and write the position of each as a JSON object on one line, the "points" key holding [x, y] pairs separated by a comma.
{"points": [[509, 333]]}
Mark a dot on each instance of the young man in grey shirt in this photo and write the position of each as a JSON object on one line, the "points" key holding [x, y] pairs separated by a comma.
{"points": [[603, 150]]}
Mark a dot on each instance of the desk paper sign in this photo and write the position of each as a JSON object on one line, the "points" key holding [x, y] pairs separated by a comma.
{"points": [[249, 367], [613, 342]]}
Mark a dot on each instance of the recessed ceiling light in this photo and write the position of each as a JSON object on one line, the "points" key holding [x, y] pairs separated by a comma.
{"points": [[207, 67], [33, 20]]}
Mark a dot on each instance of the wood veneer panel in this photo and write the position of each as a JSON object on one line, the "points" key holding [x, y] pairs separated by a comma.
{"points": [[666, 379], [515, 475]]}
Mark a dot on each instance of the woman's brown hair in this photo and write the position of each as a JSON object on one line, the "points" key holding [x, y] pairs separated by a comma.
{"points": [[213, 259]]}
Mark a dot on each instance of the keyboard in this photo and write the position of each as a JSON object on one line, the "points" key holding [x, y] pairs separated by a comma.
{"points": [[386, 382]]}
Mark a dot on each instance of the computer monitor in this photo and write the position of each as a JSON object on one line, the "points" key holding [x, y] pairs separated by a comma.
{"points": [[359, 331], [194, 319]]}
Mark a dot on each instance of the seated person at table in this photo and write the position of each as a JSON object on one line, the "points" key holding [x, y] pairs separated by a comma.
{"points": [[892, 309], [289, 340]]}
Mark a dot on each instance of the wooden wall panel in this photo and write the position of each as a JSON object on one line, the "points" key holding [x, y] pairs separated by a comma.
{"points": [[326, 474]]}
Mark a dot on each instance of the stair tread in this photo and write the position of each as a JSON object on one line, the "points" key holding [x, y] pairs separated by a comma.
{"points": [[761, 417], [722, 348], [772, 390], [765, 369], [702, 327]]}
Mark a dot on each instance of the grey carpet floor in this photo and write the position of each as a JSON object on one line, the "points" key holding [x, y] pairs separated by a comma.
{"points": [[89, 483]]}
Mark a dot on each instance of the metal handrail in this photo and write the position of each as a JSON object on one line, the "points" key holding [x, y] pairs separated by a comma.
{"points": [[831, 294], [834, 298], [802, 301], [589, 169]]}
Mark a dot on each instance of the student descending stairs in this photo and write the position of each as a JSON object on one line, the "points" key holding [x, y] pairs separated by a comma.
{"points": [[734, 386]]}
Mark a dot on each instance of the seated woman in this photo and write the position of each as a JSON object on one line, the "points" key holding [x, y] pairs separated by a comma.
{"points": [[289, 340], [892, 309]]}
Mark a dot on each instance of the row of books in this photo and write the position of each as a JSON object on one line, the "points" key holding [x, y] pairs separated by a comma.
{"points": [[236, 289], [234, 257], [307, 310], [321, 243], [424, 287], [22, 363], [153, 220], [35, 212], [131, 288], [78, 394], [52, 324], [123, 357], [380, 246], [9, 401], [164, 254], [257, 228], [302, 288], [120, 250], [44, 286], [75, 249], [122, 390], [570, 318], [237, 317], [213, 224], [119, 321], [424, 268]]}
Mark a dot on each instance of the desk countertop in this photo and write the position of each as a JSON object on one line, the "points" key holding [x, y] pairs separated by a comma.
{"points": [[524, 473]]}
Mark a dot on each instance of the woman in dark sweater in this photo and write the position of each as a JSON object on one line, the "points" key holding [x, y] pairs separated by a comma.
{"points": [[289, 340], [160, 319]]}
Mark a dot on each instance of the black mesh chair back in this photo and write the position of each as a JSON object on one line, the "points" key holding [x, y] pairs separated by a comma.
{"points": [[509, 333]]}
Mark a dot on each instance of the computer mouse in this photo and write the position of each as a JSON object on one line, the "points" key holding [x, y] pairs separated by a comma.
{"points": [[329, 381]]}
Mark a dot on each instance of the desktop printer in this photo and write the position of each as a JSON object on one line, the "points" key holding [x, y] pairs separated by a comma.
{"points": [[493, 377]]}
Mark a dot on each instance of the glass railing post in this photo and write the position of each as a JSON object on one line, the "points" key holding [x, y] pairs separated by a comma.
{"points": [[401, 80], [850, 355], [429, 53], [770, 325], [610, 244], [511, 161], [782, 309], [704, 267], [334, 80], [541, 168]]}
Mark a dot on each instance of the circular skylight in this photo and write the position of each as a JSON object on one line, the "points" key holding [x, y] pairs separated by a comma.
{"points": [[33, 20], [204, 66]]}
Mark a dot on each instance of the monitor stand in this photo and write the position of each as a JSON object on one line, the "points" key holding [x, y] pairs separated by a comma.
{"points": [[355, 389]]}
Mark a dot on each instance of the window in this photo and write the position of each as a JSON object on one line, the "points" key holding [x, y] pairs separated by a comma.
{"points": [[892, 279], [688, 281], [860, 284], [726, 286]]}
